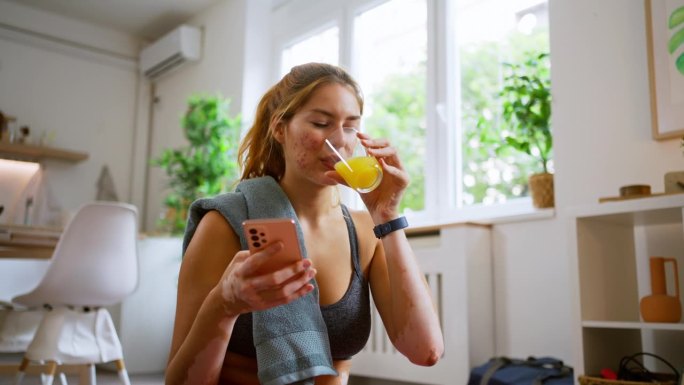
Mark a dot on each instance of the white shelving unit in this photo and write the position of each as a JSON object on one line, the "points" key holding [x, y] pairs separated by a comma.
{"points": [[610, 246]]}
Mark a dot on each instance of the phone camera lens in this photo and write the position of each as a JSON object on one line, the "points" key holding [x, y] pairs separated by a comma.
{"points": [[254, 238], [256, 244], [252, 231]]}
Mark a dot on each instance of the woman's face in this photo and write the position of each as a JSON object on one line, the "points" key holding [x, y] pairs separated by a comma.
{"points": [[332, 113]]}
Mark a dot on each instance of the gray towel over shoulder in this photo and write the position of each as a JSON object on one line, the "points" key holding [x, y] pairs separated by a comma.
{"points": [[291, 340]]}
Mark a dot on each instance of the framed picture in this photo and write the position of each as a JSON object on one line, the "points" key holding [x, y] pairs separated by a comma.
{"points": [[665, 40]]}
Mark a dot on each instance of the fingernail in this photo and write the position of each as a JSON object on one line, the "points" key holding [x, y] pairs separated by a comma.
{"points": [[306, 263]]}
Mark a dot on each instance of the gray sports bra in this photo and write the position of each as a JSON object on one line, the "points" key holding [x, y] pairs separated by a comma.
{"points": [[348, 320]]}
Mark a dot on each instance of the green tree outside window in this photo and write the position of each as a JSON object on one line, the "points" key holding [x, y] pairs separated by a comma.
{"points": [[398, 113]]}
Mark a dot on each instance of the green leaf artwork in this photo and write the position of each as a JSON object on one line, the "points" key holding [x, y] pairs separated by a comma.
{"points": [[677, 21]]}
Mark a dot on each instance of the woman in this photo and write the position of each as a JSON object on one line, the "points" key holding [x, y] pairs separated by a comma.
{"points": [[217, 288]]}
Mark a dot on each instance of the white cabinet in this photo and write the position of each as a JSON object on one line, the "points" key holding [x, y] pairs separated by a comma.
{"points": [[610, 247]]}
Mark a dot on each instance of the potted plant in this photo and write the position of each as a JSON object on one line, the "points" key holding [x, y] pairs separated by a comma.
{"points": [[207, 165], [526, 120]]}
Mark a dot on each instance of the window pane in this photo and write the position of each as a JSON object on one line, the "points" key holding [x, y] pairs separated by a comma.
{"points": [[490, 32], [390, 52], [322, 47]]}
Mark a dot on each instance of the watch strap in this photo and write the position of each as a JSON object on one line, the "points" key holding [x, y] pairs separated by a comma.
{"points": [[383, 229]]}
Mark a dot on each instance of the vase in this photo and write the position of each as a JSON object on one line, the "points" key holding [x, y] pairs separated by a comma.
{"points": [[541, 189], [659, 306]]}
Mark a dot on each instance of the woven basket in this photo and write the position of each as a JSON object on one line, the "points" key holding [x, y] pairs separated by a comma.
{"points": [[587, 380]]}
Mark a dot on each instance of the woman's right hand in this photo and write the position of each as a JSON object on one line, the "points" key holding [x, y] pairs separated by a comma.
{"points": [[243, 290]]}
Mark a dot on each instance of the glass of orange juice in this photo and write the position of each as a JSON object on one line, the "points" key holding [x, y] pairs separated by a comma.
{"points": [[361, 171]]}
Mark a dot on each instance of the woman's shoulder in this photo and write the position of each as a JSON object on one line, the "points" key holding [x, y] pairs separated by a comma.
{"points": [[214, 232], [362, 219], [368, 244], [214, 221], [210, 250]]}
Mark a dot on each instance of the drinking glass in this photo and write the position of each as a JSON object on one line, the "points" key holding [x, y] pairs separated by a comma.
{"points": [[361, 171]]}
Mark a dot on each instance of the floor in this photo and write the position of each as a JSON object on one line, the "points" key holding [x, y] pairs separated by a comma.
{"points": [[104, 376]]}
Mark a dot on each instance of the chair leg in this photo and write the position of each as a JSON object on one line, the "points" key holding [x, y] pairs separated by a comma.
{"points": [[123, 373], [87, 375], [22, 371], [51, 370], [63, 379]]}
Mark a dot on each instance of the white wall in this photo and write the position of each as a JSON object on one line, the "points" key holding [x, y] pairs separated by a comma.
{"points": [[219, 70], [602, 135], [80, 82], [76, 81], [602, 119]]}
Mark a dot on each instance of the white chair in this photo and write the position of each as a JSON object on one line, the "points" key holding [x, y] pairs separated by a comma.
{"points": [[18, 323], [17, 327], [95, 264]]}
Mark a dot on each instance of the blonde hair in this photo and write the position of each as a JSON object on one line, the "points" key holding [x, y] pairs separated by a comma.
{"points": [[259, 153]]}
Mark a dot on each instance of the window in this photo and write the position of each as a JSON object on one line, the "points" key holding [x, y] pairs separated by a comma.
{"points": [[390, 57], [322, 47], [490, 32], [430, 71]]}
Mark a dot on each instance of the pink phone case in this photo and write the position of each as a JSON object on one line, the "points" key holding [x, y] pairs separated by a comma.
{"points": [[262, 232]]}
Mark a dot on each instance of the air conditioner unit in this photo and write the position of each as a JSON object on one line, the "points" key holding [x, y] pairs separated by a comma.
{"points": [[171, 51]]}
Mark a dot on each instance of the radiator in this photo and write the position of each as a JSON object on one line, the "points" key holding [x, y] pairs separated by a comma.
{"points": [[457, 264]]}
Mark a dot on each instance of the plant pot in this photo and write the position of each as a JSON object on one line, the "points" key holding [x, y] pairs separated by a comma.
{"points": [[541, 189]]}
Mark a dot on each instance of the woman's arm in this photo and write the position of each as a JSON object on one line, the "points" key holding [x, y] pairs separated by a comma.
{"points": [[202, 327], [399, 288], [403, 300], [217, 282]]}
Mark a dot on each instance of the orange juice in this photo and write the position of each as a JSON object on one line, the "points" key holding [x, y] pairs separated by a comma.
{"points": [[361, 173]]}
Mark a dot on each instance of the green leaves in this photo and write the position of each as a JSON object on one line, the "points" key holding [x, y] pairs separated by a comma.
{"points": [[526, 107], [207, 165], [398, 113], [677, 38]]}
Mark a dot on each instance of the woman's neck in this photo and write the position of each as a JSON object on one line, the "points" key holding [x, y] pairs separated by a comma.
{"points": [[311, 203]]}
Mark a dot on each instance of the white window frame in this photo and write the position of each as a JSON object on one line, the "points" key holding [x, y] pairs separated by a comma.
{"points": [[297, 20]]}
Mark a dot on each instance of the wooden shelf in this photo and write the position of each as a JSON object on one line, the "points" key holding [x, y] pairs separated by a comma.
{"points": [[632, 325], [38, 153]]}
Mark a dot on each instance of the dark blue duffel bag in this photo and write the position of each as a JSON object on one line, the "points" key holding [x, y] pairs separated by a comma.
{"points": [[532, 371]]}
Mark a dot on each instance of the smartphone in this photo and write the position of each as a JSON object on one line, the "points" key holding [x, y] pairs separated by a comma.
{"points": [[262, 232]]}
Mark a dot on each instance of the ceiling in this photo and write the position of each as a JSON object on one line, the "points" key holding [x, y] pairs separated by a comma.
{"points": [[145, 19]]}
